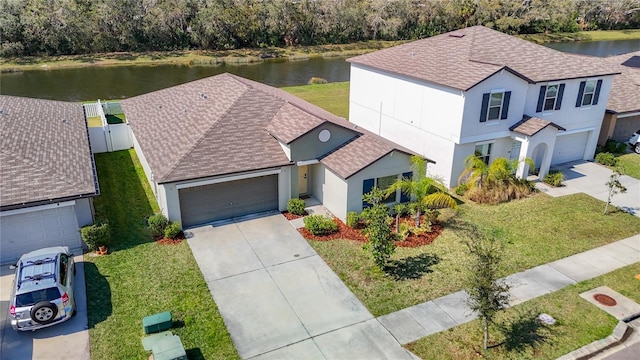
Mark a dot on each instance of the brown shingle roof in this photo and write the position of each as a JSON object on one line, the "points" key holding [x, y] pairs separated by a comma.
{"points": [[531, 125], [226, 124], [44, 152], [625, 91], [463, 58]]}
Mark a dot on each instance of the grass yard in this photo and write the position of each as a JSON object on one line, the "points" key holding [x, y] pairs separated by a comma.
{"points": [[631, 164], [578, 323], [596, 35], [536, 230], [140, 277], [333, 97]]}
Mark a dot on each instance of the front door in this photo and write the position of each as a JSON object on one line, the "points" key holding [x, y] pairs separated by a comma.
{"points": [[303, 180]]}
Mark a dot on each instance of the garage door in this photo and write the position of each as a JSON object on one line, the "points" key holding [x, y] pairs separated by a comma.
{"points": [[21, 233], [625, 127], [569, 148], [202, 204]]}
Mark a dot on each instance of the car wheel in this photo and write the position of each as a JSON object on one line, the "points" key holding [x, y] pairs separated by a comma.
{"points": [[637, 148], [44, 312]]}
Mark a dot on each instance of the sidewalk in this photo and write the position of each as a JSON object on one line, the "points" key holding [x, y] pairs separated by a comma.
{"points": [[440, 314]]}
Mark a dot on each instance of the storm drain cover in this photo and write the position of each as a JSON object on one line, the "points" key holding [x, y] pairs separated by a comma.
{"points": [[605, 299]]}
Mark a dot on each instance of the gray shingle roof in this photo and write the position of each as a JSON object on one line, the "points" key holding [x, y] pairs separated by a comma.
{"points": [[532, 125], [463, 58], [625, 91], [44, 152], [226, 124]]}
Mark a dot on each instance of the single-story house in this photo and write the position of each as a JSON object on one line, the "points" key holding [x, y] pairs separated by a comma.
{"points": [[47, 175], [224, 147], [622, 118]]}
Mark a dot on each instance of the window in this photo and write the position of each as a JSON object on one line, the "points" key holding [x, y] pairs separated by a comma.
{"points": [[588, 93], [483, 152], [383, 184], [495, 105], [64, 265], [550, 97]]}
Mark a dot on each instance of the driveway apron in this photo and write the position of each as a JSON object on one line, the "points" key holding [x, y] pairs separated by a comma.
{"points": [[280, 300]]}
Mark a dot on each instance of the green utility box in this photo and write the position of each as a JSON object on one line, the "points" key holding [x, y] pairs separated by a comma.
{"points": [[157, 322]]}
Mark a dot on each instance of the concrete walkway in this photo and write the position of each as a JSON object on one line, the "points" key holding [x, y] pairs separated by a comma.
{"points": [[590, 178], [424, 319], [278, 298]]}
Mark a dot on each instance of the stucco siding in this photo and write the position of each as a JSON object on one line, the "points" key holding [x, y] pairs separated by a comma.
{"points": [[144, 163], [84, 211], [334, 192]]}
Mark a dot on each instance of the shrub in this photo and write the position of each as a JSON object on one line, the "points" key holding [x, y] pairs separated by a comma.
{"points": [[317, 80], [607, 159], [96, 235], [461, 189], [172, 230], [404, 229], [554, 178], [157, 224], [296, 206], [352, 219], [320, 225]]}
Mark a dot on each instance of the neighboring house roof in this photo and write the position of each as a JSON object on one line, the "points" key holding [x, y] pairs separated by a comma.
{"points": [[226, 124], [463, 58], [44, 152], [625, 91], [532, 125]]}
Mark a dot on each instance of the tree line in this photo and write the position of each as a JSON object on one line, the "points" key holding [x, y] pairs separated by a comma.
{"points": [[57, 27]]}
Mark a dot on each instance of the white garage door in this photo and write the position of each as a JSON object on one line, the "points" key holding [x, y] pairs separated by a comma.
{"points": [[203, 204], [569, 148], [24, 232]]}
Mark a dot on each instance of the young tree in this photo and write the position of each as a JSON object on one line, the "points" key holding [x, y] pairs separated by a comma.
{"points": [[427, 192], [399, 210], [378, 229], [614, 185], [487, 294]]}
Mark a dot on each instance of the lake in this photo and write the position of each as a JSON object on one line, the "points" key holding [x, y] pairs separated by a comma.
{"points": [[117, 82]]}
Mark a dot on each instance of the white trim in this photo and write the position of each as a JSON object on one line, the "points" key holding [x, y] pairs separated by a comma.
{"points": [[569, 132], [307, 162], [227, 179], [628, 115], [485, 137], [37, 208]]}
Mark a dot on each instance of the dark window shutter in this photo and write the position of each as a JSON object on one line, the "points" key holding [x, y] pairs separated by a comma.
{"points": [[559, 97], [597, 94], [580, 93], [485, 107], [543, 91], [367, 186], [404, 197], [505, 105]]}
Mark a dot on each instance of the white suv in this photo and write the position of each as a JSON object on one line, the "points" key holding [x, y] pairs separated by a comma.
{"points": [[42, 290], [635, 142]]}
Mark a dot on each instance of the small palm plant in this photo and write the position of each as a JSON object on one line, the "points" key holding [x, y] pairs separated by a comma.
{"points": [[428, 192], [399, 209], [496, 182]]}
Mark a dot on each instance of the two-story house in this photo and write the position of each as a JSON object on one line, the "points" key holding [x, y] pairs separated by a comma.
{"points": [[479, 91]]}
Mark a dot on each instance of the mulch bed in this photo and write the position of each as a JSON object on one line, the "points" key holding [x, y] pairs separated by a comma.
{"points": [[346, 232], [166, 241], [291, 216]]}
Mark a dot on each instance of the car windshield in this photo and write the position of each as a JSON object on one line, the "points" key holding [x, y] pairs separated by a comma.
{"points": [[34, 297]]}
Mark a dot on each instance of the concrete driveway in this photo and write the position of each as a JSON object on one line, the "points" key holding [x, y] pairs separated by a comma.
{"points": [[69, 340], [280, 300], [590, 178]]}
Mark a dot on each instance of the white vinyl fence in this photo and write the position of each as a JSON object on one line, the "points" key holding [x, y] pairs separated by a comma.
{"points": [[108, 137]]}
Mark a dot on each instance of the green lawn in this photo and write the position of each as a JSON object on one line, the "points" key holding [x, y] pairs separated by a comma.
{"points": [[333, 97], [536, 230], [140, 277], [578, 323], [597, 35], [630, 164]]}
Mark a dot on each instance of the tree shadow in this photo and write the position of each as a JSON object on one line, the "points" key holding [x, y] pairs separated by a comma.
{"points": [[525, 331], [412, 267]]}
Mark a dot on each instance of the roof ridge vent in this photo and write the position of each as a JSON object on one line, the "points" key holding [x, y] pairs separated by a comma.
{"points": [[456, 35]]}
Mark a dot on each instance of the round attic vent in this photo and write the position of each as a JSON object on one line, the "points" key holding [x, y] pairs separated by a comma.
{"points": [[324, 135]]}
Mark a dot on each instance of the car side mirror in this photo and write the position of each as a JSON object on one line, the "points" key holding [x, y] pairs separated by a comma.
{"points": [[13, 266]]}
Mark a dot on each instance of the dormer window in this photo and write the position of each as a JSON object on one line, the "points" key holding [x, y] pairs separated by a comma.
{"points": [[550, 97], [495, 105], [589, 93]]}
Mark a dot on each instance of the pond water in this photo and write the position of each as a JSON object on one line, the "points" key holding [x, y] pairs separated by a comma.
{"points": [[117, 82]]}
